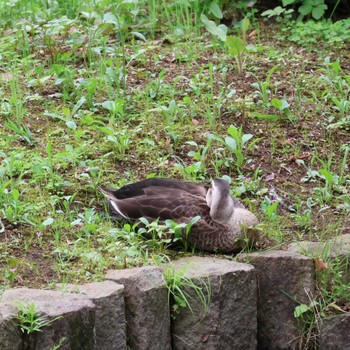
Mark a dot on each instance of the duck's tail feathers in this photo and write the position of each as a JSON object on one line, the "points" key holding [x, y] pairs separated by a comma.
{"points": [[107, 192], [112, 200]]}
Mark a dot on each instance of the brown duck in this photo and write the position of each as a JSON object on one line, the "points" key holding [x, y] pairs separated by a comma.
{"points": [[222, 217]]}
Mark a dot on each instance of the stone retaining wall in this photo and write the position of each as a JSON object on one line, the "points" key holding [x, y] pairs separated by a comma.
{"points": [[251, 305]]}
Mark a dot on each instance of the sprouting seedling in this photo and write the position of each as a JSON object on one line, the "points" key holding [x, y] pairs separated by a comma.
{"points": [[264, 86], [283, 107], [21, 130], [237, 143], [236, 46]]}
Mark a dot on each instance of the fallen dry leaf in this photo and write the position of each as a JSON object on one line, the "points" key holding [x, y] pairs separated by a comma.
{"points": [[320, 264], [270, 177], [251, 34], [195, 122], [6, 76], [205, 338]]}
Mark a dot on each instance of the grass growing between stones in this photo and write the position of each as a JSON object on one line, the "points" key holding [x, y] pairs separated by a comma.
{"points": [[106, 93], [30, 322], [332, 287], [183, 291]]}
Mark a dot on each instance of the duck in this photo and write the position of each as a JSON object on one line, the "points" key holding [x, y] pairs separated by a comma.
{"points": [[222, 220]]}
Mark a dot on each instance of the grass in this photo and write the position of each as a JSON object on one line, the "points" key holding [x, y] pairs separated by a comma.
{"points": [[106, 93], [183, 292]]}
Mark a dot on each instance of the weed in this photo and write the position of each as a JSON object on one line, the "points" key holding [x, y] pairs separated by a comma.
{"points": [[29, 320], [21, 130], [120, 140], [183, 291], [58, 345], [238, 145], [263, 87], [236, 46], [281, 14], [332, 290], [269, 207], [303, 216], [197, 170]]}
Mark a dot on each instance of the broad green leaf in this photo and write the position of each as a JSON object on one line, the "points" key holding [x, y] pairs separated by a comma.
{"points": [[15, 194], [139, 35], [285, 104], [288, 2], [318, 11], [107, 131], [75, 222], [144, 221], [116, 106], [215, 9], [268, 13], [112, 139], [213, 28], [233, 131], [71, 124], [235, 45], [110, 18], [246, 138], [59, 81], [328, 176], [227, 178], [245, 23], [48, 222], [300, 310], [277, 11], [133, 251], [305, 9], [275, 102], [231, 143], [272, 208]]}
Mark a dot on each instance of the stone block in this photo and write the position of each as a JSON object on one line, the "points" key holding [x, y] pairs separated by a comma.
{"points": [[75, 329], [335, 247], [146, 307], [285, 280], [110, 325], [10, 334], [334, 333], [230, 319]]}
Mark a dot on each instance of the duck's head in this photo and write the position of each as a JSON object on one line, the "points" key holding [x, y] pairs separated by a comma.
{"points": [[219, 201]]}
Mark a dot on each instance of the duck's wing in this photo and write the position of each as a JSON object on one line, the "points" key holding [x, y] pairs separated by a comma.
{"points": [[159, 202], [138, 188]]}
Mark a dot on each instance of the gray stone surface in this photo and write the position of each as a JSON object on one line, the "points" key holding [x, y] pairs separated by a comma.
{"points": [[334, 333], [146, 307], [10, 334], [110, 325], [283, 278], [230, 322], [76, 324], [336, 247]]}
